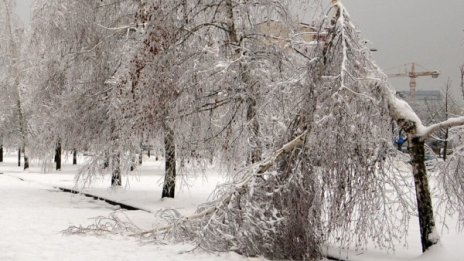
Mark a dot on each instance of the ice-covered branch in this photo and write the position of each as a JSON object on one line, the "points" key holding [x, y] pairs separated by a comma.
{"points": [[452, 122], [408, 120], [238, 188], [403, 114], [268, 163]]}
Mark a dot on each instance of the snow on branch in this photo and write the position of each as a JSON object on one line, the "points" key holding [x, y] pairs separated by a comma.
{"points": [[216, 208], [408, 120], [452, 122], [403, 114], [298, 141]]}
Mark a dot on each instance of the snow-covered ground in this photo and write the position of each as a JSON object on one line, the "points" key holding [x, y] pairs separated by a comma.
{"points": [[33, 215]]}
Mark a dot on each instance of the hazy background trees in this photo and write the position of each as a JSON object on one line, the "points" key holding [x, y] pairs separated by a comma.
{"points": [[15, 117]]}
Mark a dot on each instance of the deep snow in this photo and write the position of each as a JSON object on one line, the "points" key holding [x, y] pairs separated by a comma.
{"points": [[34, 214]]}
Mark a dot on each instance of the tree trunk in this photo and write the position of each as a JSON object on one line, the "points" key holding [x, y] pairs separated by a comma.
{"points": [[170, 167], [424, 200], [106, 162], [74, 157], [445, 146], [58, 156], [233, 38], [19, 157], [133, 164], [1, 153], [116, 175], [253, 128], [253, 124], [26, 159]]}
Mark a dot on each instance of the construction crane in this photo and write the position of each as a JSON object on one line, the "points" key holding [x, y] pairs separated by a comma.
{"points": [[413, 74]]}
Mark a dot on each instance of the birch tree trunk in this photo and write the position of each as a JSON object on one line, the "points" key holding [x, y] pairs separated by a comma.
{"points": [[141, 154], [424, 200], [26, 159], [253, 128], [170, 167], [116, 174], [255, 154]]}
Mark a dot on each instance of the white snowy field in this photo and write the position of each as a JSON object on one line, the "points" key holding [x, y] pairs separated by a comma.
{"points": [[33, 215]]}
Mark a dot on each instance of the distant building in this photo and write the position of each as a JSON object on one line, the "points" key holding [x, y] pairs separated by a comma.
{"points": [[278, 33], [422, 96]]}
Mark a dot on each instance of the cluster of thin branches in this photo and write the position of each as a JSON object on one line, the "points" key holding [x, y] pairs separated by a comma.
{"points": [[451, 178], [117, 223]]}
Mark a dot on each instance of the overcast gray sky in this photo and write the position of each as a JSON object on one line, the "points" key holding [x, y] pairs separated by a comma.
{"points": [[23, 9], [428, 32]]}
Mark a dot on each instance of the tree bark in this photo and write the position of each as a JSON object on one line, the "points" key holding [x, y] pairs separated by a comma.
{"points": [[26, 159], [106, 162], [170, 167], [74, 157], [58, 156], [116, 175], [424, 200], [1, 153], [445, 145], [256, 151], [255, 155], [19, 157]]}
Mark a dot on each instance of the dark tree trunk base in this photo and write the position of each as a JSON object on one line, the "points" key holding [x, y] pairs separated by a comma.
{"points": [[170, 167], [74, 157], [19, 157], [116, 179], [116, 176], [26, 162], [424, 200], [58, 156]]}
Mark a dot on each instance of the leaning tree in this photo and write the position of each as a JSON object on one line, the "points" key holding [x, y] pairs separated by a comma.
{"points": [[329, 178], [331, 181]]}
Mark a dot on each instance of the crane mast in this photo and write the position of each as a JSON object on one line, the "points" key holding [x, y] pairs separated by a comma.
{"points": [[413, 74]]}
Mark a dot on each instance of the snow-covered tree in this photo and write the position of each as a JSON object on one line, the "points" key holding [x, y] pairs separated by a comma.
{"points": [[14, 119], [78, 50], [307, 123], [332, 181], [205, 71]]}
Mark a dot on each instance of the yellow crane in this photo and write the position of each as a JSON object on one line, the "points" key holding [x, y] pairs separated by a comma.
{"points": [[413, 74]]}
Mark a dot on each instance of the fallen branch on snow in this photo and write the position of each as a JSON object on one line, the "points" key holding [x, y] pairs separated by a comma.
{"points": [[240, 186]]}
